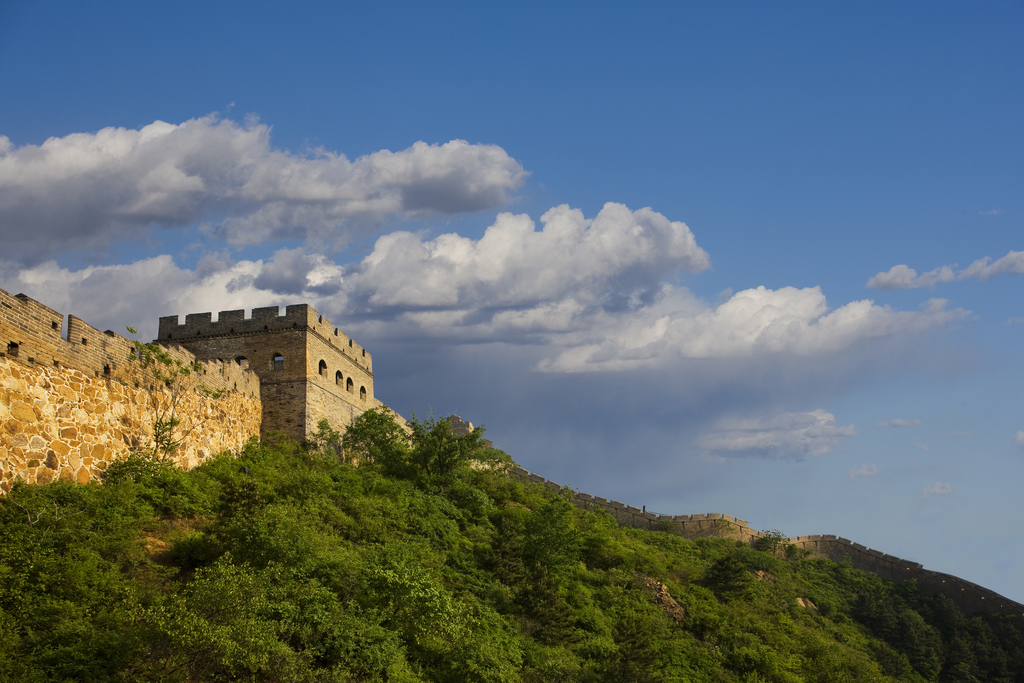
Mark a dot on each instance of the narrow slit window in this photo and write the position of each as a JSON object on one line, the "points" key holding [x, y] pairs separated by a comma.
{"points": [[278, 362]]}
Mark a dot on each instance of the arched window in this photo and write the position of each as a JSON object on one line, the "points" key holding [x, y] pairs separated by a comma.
{"points": [[278, 362], [349, 384], [337, 378], [362, 393], [323, 368]]}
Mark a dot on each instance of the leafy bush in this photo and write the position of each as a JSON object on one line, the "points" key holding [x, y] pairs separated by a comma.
{"points": [[426, 563]]}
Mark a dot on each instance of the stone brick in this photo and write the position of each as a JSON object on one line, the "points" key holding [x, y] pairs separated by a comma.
{"points": [[23, 412]]}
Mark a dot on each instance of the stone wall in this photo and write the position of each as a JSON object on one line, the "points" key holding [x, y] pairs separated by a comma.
{"points": [[322, 373], [61, 423], [969, 597]]}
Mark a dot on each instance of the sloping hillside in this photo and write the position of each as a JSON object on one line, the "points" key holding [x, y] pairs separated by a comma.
{"points": [[428, 563]]}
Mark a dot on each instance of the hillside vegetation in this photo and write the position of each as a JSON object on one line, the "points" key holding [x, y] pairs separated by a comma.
{"points": [[428, 563]]}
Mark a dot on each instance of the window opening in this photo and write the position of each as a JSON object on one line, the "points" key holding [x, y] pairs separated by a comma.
{"points": [[12, 349], [106, 371], [337, 377], [364, 353], [350, 343], [362, 393], [278, 362], [349, 384], [323, 368], [85, 341], [54, 325]]}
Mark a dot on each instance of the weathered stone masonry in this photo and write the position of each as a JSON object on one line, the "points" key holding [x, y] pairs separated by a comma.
{"points": [[969, 597], [64, 414], [309, 369]]}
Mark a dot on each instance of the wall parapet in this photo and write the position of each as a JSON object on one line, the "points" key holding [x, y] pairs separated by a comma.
{"points": [[968, 596], [261, 321]]}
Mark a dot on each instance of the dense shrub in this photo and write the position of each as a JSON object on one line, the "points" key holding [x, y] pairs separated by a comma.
{"points": [[427, 563]]}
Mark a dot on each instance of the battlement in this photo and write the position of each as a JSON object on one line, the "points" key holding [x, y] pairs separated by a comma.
{"points": [[262, 321]]}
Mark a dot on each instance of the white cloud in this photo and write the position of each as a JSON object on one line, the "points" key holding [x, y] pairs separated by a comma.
{"points": [[990, 212], [1019, 439], [897, 422], [960, 435], [982, 269], [86, 190], [904, 277], [1014, 321], [789, 435], [753, 322], [922, 446], [938, 489], [618, 253], [863, 471], [587, 294]]}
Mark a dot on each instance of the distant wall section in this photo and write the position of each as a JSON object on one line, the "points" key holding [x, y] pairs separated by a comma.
{"points": [[969, 597]]}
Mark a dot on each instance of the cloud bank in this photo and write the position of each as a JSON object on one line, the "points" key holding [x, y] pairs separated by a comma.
{"points": [[86, 190], [789, 435], [905, 277], [593, 295]]}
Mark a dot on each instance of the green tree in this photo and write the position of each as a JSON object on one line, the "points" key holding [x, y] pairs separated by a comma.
{"points": [[376, 438]]}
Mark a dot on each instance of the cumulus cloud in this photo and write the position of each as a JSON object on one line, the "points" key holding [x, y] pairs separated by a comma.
{"points": [[863, 471], [904, 277], [751, 323], [789, 435], [86, 190], [1019, 439], [617, 254], [938, 489], [897, 422], [590, 294]]}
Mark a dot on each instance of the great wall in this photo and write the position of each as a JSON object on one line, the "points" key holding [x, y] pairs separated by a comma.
{"points": [[69, 407], [969, 597]]}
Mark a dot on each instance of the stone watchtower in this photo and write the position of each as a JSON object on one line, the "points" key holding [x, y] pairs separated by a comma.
{"points": [[309, 370]]}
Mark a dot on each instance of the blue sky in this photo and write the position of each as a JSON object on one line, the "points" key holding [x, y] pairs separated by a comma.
{"points": [[209, 156]]}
